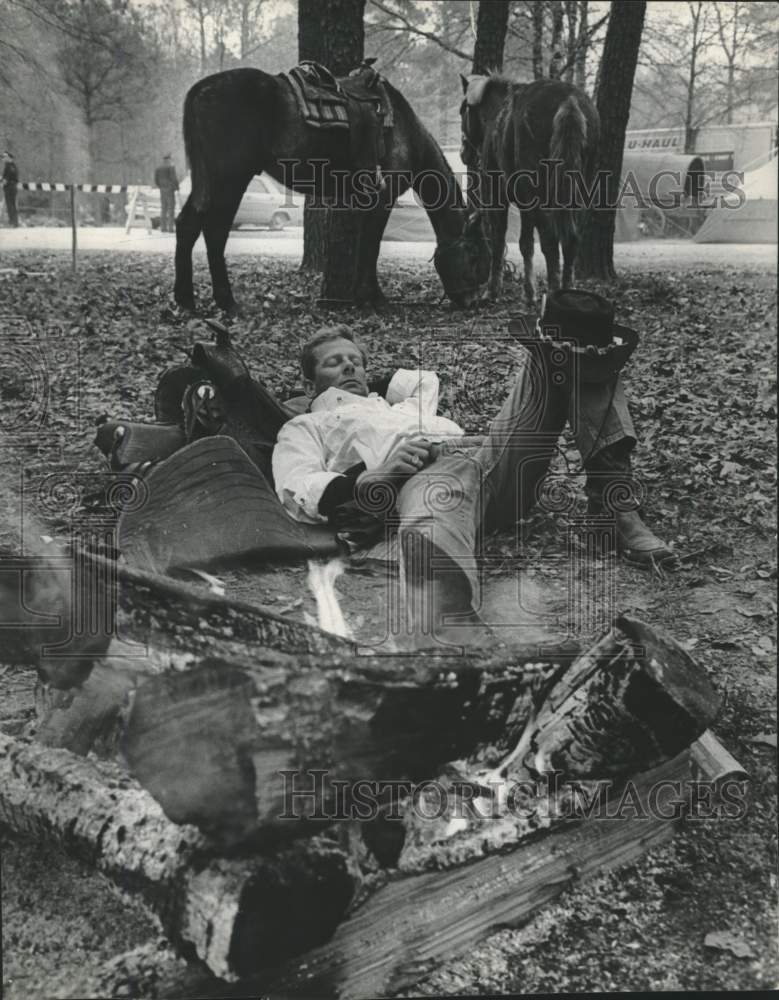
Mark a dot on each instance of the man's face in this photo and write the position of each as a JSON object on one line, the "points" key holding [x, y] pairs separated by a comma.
{"points": [[339, 363]]}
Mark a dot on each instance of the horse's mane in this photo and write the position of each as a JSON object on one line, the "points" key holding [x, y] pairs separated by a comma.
{"points": [[497, 83]]}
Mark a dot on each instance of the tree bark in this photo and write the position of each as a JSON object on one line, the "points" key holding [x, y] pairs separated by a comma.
{"points": [[580, 65], [616, 74], [635, 699], [537, 10], [270, 906], [331, 32], [491, 25], [571, 12], [234, 746], [557, 39]]}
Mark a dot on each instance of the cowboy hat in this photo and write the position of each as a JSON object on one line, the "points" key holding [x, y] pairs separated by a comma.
{"points": [[586, 320]]}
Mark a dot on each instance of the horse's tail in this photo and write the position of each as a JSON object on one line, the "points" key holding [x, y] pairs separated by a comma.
{"points": [[196, 150], [568, 146]]}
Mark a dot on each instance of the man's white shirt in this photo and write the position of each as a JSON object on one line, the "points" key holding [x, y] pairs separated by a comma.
{"points": [[342, 429]]}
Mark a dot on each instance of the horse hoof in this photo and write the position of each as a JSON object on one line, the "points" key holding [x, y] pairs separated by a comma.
{"points": [[177, 311], [230, 311]]}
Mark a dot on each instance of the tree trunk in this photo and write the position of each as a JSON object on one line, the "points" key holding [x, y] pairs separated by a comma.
{"points": [[491, 27], [689, 111], [617, 70], [331, 32], [557, 28], [202, 24], [571, 12], [580, 67], [538, 40], [731, 91]]}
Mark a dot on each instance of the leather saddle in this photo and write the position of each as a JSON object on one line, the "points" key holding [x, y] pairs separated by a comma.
{"points": [[208, 493], [358, 103]]}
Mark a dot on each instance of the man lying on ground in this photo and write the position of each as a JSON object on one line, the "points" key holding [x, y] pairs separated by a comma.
{"points": [[352, 445]]}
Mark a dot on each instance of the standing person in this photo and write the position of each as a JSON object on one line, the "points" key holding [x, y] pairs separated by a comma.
{"points": [[166, 180], [10, 180]]}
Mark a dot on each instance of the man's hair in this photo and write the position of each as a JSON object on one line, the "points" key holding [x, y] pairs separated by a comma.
{"points": [[323, 336]]}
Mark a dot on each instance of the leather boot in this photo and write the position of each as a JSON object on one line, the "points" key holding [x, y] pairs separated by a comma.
{"points": [[612, 492]]}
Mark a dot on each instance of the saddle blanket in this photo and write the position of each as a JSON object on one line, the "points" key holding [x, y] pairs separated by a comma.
{"points": [[323, 100], [318, 107]]}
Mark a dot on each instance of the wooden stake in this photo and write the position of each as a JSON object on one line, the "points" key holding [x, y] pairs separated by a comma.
{"points": [[73, 223], [131, 211]]}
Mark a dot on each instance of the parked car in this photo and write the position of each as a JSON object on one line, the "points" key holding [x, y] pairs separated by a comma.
{"points": [[265, 203], [409, 222]]}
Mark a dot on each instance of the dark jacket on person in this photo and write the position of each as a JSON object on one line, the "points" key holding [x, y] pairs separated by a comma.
{"points": [[10, 174], [165, 178]]}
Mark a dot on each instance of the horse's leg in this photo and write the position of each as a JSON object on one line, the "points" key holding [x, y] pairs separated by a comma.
{"points": [[188, 227], [217, 220], [550, 249], [366, 288], [497, 219], [526, 247], [570, 248]]}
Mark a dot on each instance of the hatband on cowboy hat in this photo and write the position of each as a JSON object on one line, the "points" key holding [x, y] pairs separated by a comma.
{"points": [[586, 321]]}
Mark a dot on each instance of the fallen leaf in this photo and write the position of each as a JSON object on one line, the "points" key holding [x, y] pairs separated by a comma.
{"points": [[725, 941], [750, 614], [765, 739], [728, 468], [290, 607]]}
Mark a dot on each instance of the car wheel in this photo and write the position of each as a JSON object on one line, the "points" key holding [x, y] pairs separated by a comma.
{"points": [[278, 221]]}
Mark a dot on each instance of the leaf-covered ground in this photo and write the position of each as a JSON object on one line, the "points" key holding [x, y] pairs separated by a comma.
{"points": [[703, 390]]}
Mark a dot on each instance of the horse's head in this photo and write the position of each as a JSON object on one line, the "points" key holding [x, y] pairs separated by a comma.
{"points": [[463, 263], [470, 119]]}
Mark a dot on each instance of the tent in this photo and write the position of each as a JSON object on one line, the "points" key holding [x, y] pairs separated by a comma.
{"points": [[752, 221]]}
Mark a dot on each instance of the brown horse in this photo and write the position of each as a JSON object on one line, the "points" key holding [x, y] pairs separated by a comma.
{"points": [[242, 122], [529, 143]]}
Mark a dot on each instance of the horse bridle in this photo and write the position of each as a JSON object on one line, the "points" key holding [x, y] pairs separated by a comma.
{"points": [[468, 145]]}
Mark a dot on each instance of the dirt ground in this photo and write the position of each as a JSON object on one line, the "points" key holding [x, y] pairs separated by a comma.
{"points": [[703, 391]]}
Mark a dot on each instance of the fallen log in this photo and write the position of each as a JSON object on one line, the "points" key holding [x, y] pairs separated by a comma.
{"points": [[237, 745], [291, 899], [61, 612], [634, 700], [322, 916], [232, 747], [241, 737]]}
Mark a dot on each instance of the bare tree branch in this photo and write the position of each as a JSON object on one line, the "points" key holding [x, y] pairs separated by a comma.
{"points": [[430, 35]]}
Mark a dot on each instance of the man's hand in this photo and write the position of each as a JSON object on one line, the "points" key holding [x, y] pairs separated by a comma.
{"points": [[406, 458]]}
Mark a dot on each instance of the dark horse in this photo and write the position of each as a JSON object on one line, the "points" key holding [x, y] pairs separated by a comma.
{"points": [[528, 141], [242, 122]]}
